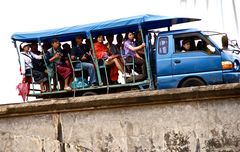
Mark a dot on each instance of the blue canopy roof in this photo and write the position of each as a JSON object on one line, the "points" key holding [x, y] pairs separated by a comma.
{"points": [[112, 26]]}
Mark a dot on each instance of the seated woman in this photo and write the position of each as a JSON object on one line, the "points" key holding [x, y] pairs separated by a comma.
{"points": [[131, 54], [29, 59], [55, 56], [102, 52], [113, 50]]}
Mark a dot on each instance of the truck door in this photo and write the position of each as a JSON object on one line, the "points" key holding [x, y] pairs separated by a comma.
{"points": [[203, 60], [164, 50]]}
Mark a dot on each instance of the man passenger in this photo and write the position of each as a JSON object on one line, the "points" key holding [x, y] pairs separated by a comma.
{"points": [[186, 45], [80, 52]]}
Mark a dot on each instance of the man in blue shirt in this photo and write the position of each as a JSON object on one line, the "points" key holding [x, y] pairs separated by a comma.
{"points": [[80, 52]]}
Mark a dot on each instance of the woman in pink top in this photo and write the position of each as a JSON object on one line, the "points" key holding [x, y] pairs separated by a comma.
{"points": [[131, 54]]}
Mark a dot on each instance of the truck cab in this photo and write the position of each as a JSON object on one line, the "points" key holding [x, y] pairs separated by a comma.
{"points": [[203, 64]]}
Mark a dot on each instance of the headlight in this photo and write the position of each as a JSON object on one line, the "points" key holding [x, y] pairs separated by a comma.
{"points": [[236, 65]]}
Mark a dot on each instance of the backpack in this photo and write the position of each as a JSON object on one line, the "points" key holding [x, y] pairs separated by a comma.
{"points": [[37, 64]]}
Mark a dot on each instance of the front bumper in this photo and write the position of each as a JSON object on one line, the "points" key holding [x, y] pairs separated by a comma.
{"points": [[231, 77]]}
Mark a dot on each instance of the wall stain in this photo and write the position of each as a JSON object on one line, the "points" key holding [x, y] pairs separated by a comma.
{"points": [[109, 145], [222, 142], [176, 142]]}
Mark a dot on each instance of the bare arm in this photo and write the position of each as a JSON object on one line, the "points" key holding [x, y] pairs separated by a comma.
{"points": [[138, 56], [39, 57], [56, 56], [136, 48]]}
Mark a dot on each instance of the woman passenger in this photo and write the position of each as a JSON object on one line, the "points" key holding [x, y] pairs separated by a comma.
{"points": [[27, 58], [131, 54], [102, 52]]}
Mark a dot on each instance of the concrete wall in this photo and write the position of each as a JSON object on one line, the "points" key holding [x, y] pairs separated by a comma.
{"points": [[178, 120]]}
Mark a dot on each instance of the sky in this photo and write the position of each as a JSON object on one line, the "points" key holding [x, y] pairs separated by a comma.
{"points": [[30, 15]]}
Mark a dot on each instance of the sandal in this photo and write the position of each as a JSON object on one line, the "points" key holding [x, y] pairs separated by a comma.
{"points": [[68, 89]]}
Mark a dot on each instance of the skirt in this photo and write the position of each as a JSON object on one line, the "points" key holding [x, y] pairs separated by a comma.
{"points": [[39, 76], [64, 71]]}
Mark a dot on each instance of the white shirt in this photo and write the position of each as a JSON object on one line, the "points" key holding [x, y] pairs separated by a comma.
{"points": [[26, 60]]}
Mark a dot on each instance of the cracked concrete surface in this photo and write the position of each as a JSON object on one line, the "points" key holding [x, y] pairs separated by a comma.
{"points": [[178, 120]]}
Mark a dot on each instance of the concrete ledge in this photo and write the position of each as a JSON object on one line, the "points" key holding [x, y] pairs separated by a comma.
{"points": [[136, 98]]}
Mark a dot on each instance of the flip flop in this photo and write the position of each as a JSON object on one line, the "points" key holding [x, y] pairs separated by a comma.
{"points": [[68, 89]]}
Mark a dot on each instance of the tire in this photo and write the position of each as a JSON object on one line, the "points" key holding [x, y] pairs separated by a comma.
{"points": [[89, 93], [191, 82]]}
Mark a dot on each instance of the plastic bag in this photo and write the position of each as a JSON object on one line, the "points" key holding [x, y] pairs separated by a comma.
{"points": [[78, 83], [23, 90]]}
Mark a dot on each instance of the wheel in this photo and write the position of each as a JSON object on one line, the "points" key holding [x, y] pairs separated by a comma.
{"points": [[89, 93], [192, 82]]}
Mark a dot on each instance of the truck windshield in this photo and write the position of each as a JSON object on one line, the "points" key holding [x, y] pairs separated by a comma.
{"points": [[216, 37]]}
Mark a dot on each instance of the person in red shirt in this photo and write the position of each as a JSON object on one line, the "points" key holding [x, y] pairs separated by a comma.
{"points": [[102, 52]]}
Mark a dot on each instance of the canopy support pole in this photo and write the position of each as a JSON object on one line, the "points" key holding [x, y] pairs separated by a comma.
{"points": [[18, 52], [95, 60], [145, 53]]}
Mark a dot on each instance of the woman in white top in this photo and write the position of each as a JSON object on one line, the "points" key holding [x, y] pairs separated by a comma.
{"points": [[26, 59]]}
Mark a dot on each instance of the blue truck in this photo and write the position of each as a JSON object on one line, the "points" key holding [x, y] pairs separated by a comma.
{"points": [[167, 66]]}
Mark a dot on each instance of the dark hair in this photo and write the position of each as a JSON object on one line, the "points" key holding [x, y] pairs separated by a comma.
{"points": [[66, 45], [74, 43], [126, 36], [34, 42], [110, 35], [119, 36], [79, 37], [54, 40], [136, 33], [99, 34], [185, 41]]}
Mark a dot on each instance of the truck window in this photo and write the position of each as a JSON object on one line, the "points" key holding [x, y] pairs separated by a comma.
{"points": [[163, 46], [196, 44]]}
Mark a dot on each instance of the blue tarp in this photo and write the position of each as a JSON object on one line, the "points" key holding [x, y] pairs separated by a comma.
{"points": [[112, 26]]}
